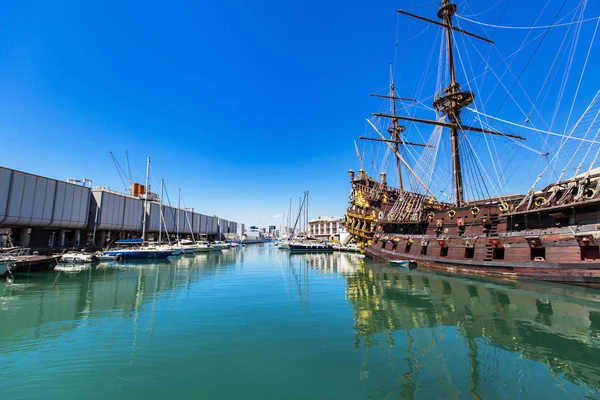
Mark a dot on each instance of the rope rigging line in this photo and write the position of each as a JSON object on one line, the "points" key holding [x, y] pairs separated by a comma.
{"points": [[556, 57], [576, 152], [589, 147], [582, 72], [483, 12], [568, 137], [489, 67], [567, 72], [533, 54], [492, 157], [525, 27], [554, 158]]}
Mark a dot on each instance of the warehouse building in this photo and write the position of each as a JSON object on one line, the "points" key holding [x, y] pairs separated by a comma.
{"points": [[41, 212]]}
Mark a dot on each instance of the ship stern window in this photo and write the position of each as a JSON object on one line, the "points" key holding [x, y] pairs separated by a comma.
{"points": [[407, 248], [443, 252], [423, 250]]}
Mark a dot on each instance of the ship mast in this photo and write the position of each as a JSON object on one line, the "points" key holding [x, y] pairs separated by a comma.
{"points": [[396, 129], [452, 100], [450, 104]]}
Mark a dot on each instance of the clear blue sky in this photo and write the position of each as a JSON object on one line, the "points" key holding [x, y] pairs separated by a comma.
{"points": [[241, 104]]}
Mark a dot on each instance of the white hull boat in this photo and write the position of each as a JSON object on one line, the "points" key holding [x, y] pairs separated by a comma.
{"points": [[219, 245], [107, 258]]}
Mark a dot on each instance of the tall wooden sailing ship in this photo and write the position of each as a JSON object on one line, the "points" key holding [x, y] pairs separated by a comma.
{"points": [[551, 233]]}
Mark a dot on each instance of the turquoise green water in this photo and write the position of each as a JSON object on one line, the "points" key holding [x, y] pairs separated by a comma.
{"points": [[258, 323]]}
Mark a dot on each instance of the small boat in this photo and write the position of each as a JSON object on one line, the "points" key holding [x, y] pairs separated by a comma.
{"points": [[349, 248], [100, 257], [234, 244], [410, 264], [174, 248], [33, 263], [202, 247], [219, 245], [77, 258], [4, 263], [187, 246], [138, 252], [8, 256], [310, 247]]}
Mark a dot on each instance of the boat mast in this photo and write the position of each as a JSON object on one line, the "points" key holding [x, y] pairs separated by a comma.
{"points": [[452, 108], [160, 208], [396, 129], [306, 218], [178, 211], [145, 200], [453, 99]]}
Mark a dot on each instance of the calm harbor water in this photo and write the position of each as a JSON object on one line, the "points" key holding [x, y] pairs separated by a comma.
{"points": [[259, 323]]}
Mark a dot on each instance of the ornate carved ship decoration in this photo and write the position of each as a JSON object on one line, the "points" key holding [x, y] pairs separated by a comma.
{"points": [[550, 233]]}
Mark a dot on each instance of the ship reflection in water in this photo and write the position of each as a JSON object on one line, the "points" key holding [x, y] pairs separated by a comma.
{"points": [[490, 340], [244, 323]]}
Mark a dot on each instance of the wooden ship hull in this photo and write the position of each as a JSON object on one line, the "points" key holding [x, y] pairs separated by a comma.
{"points": [[549, 242]]}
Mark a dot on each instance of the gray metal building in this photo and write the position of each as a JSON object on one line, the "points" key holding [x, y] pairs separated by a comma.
{"points": [[41, 212]]}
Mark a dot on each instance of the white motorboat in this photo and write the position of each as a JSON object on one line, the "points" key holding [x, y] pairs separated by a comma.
{"points": [[77, 258], [100, 257], [219, 245], [187, 246], [4, 263], [350, 248], [283, 244], [202, 247]]}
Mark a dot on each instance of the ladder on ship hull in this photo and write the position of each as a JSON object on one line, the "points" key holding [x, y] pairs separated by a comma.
{"points": [[492, 232]]}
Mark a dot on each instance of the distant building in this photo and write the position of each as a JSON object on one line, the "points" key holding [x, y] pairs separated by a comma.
{"points": [[327, 228]]}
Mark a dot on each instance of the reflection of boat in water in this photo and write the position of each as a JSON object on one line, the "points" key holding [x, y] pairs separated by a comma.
{"points": [[110, 287], [72, 267], [343, 263], [404, 263], [496, 328]]}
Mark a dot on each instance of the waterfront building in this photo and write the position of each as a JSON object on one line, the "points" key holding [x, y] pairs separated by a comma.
{"points": [[327, 228], [42, 213]]}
